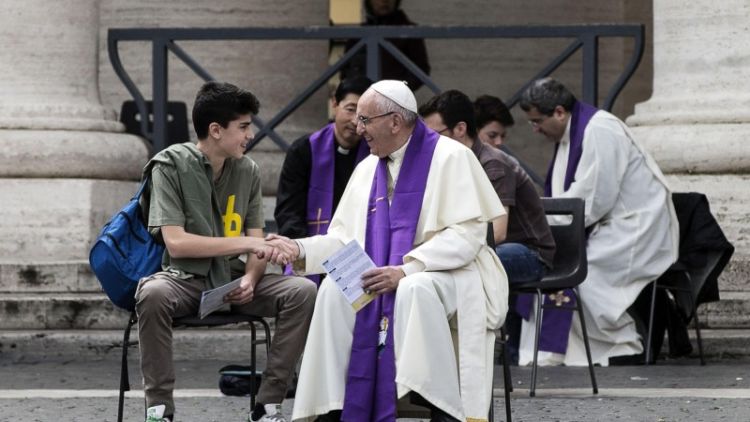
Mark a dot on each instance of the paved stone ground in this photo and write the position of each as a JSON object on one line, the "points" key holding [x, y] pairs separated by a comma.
{"points": [[70, 391]]}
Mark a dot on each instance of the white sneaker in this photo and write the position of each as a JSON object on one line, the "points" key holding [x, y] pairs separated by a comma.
{"points": [[273, 414], [156, 414]]}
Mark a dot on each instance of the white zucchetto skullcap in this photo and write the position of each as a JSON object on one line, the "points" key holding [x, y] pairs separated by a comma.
{"points": [[398, 92]]}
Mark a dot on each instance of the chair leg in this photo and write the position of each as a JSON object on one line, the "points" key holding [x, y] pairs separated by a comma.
{"points": [[508, 381], [491, 412], [124, 378], [579, 307], [253, 366], [698, 339], [507, 384], [650, 323], [267, 330], [539, 316]]}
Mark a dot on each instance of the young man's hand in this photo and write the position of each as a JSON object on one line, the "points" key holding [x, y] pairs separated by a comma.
{"points": [[242, 294], [283, 249]]}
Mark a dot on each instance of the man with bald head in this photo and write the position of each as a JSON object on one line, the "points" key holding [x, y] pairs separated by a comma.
{"points": [[419, 206]]}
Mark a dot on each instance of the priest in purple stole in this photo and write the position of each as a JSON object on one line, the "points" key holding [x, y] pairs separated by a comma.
{"points": [[317, 168], [630, 223], [419, 207]]}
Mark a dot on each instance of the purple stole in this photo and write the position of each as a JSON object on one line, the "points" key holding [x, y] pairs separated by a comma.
{"points": [[556, 323], [371, 378], [320, 191]]}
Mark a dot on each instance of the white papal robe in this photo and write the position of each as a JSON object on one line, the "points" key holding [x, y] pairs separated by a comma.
{"points": [[449, 307], [634, 238]]}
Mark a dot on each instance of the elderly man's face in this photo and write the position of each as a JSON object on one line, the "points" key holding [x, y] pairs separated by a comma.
{"points": [[379, 129]]}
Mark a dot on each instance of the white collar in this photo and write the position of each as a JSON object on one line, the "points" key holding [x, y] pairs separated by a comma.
{"points": [[566, 135], [398, 155]]}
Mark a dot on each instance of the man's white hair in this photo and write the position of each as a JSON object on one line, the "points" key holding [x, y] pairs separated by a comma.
{"points": [[385, 105]]}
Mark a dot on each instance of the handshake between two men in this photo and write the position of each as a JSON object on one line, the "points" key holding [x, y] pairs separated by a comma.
{"points": [[282, 250]]}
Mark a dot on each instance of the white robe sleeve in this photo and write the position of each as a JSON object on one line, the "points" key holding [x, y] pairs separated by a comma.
{"points": [[600, 171], [451, 248]]}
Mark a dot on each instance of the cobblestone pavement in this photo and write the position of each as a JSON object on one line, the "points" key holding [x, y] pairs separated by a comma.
{"points": [[674, 391]]}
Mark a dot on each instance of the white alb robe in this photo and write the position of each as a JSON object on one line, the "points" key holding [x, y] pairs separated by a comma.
{"points": [[634, 238], [454, 303]]}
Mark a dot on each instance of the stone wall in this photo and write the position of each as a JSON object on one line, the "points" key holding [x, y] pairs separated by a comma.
{"points": [[500, 67], [274, 71]]}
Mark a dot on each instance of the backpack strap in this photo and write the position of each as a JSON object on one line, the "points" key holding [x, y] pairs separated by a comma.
{"points": [[141, 188]]}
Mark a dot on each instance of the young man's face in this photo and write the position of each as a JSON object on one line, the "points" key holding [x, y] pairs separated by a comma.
{"points": [[236, 136], [435, 122], [493, 134], [345, 121]]}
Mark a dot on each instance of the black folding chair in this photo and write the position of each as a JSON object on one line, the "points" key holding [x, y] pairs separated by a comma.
{"points": [[177, 120], [507, 384], [570, 268], [213, 320], [704, 252]]}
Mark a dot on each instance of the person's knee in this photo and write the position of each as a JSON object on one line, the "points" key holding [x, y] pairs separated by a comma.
{"points": [[152, 294], [415, 285], [304, 292]]}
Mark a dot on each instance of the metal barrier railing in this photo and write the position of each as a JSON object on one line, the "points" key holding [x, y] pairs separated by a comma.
{"points": [[370, 38]]}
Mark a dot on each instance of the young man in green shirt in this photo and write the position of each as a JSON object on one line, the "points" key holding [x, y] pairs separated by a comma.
{"points": [[205, 203]]}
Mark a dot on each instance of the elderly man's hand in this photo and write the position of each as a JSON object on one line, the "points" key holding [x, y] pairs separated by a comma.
{"points": [[283, 249], [382, 280]]}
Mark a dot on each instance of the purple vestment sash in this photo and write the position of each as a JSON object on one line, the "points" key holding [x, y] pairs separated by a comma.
{"points": [[320, 190], [371, 378], [556, 323], [580, 117]]}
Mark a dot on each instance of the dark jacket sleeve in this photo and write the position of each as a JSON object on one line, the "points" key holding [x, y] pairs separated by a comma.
{"points": [[291, 195]]}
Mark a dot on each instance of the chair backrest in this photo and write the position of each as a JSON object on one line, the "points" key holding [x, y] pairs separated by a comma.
{"points": [[570, 263], [177, 120], [704, 249]]}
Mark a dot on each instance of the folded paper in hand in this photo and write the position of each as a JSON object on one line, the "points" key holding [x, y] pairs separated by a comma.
{"points": [[213, 299], [345, 268]]}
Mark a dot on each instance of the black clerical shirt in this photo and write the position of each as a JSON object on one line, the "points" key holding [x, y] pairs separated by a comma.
{"points": [[291, 196]]}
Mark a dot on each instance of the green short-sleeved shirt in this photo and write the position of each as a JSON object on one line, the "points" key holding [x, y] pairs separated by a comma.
{"points": [[183, 194]]}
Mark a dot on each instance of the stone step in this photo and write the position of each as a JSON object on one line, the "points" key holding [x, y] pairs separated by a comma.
{"points": [[37, 311], [69, 276], [50, 310], [732, 311], [736, 275], [230, 343]]}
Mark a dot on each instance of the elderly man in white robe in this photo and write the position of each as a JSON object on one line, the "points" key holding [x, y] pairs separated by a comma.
{"points": [[633, 233], [419, 205]]}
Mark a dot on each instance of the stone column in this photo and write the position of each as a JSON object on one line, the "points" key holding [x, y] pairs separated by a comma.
{"points": [[697, 122], [64, 162]]}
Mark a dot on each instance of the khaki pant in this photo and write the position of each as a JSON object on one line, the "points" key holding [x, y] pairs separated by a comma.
{"points": [[162, 297]]}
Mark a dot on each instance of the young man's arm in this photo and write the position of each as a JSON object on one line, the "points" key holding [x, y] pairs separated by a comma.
{"points": [[255, 268], [500, 227], [182, 244]]}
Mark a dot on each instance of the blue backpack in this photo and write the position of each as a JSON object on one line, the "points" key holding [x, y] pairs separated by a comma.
{"points": [[124, 252]]}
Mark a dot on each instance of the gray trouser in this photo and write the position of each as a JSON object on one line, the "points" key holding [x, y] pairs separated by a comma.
{"points": [[162, 297]]}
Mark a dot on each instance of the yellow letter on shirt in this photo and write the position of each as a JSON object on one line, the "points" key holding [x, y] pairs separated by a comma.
{"points": [[232, 220]]}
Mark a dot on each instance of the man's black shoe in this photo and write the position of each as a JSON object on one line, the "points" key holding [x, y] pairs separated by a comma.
{"points": [[437, 415], [332, 416]]}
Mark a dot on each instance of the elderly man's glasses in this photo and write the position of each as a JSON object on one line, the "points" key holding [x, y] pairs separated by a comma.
{"points": [[366, 120]]}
